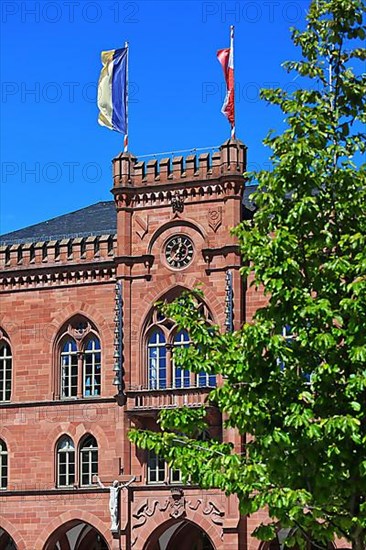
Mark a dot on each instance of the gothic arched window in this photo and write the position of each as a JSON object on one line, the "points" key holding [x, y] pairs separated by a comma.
{"points": [[5, 369], [65, 462], [80, 360], [3, 465], [162, 338], [88, 460]]}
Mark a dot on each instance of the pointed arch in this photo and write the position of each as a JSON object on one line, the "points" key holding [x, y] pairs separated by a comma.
{"points": [[67, 520], [191, 524], [161, 336], [77, 356], [13, 532]]}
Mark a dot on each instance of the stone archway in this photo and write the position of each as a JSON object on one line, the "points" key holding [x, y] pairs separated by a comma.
{"points": [[6, 541], [179, 535], [76, 535]]}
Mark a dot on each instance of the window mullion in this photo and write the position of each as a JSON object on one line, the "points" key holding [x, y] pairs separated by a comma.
{"points": [[80, 374], [90, 466], [67, 478], [170, 375]]}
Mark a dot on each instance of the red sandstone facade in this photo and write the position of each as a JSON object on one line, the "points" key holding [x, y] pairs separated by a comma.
{"points": [[55, 290]]}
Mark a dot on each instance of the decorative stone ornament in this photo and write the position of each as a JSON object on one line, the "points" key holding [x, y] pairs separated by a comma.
{"points": [[215, 218], [177, 503], [177, 203]]}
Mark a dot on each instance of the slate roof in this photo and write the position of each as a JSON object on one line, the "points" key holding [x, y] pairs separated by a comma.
{"points": [[97, 219]]}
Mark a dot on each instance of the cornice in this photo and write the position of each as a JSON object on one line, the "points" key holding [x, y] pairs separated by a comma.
{"points": [[41, 277]]}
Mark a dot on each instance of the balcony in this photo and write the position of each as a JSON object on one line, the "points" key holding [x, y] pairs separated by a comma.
{"points": [[147, 402]]}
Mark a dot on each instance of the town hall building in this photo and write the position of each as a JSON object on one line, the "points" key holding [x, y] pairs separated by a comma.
{"points": [[85, 355]]}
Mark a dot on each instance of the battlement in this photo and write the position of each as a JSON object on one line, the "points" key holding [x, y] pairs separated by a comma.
{"points": [[229, 160], [71, 250]]}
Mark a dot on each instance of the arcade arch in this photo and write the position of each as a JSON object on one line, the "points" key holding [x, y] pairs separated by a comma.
{"points": [[179, 535], [6, 541], [76, 535]]}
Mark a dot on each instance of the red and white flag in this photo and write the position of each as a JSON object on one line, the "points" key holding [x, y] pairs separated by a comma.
{"points": [[226, 59]]}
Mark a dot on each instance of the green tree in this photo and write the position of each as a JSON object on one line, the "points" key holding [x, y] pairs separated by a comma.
{"points": [[303, 398]]}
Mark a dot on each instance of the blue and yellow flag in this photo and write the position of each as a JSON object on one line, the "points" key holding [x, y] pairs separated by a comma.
{"points": [[112, 90]]}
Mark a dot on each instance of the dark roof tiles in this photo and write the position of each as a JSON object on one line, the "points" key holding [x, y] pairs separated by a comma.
{"points": [[97, 219]]}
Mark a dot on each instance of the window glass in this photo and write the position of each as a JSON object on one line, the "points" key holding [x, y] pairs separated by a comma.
{"points": [[92, 368], [157, 360], [88, 460], [162, 340], [3, 465], [5, 371], [155, 468], [69, 369], [65, 463], [181, 377]]}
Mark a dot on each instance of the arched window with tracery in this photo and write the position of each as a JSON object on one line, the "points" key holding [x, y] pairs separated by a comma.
{"points": [[65, 462], [162, 337], [6, 366], [79, 356], [3, 465], [88, 460]]}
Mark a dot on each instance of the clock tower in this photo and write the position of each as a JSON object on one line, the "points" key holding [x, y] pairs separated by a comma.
{"points": [[173, 233]]}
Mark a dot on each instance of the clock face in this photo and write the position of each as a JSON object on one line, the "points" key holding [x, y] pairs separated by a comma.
{"points": [[179, 251]]}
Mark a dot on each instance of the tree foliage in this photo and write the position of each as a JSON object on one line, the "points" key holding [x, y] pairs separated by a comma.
{"points": [[302, 398]]}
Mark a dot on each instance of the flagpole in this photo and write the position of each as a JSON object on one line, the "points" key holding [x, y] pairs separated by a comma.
{"points": [[232, 55], [125, 141]]}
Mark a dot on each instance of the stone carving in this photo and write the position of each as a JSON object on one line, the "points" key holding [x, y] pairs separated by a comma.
{"points": [[134, 196], [196, 505], [215, 218], [214, 512], [79, 331], [177, 503], [113, 505], [143, 226], [114, 491], [177, 203], [209, 509], [177, 506], [144, 512]]}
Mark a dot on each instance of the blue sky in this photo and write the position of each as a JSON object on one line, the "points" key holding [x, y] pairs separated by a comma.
{"points": [[55, 158]]}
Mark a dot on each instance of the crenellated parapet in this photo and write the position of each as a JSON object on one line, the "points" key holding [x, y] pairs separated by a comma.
{"points": [[42, 254], [228, 162]]}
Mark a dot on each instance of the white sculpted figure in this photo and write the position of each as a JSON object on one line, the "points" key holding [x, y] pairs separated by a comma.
{"points": [[114, 490], [113, 504]]}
